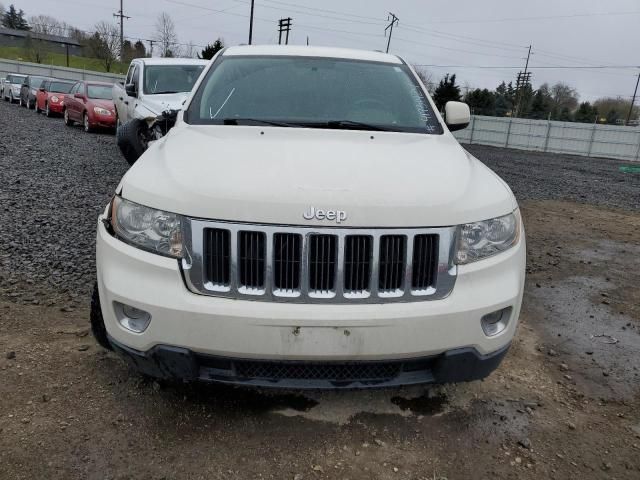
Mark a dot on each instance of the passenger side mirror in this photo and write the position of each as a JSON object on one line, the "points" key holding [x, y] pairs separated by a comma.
{"points": [[41, 89], [457, 115], [131, 90]]}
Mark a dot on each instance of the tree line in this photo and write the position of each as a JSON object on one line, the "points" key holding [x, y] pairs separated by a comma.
{"points": [[548, 102], [103, 42]]}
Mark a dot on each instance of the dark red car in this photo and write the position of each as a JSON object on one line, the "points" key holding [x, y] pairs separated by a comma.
{"points": [[91, 105], [50, 96]]}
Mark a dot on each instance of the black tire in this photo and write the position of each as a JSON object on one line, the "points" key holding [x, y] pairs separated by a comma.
{"points": [[85, 123], [97, 321], [47, 112], [37, 107], [130, 139], [67, 121]]}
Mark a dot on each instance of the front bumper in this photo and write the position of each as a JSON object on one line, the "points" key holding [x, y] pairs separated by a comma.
{"points": [[221, 328], [103, 121], [175, 363]]}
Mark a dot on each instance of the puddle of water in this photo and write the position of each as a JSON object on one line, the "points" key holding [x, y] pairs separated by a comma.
{"points": [[423, 405]]}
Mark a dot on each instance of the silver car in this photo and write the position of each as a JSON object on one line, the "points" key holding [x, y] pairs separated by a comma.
{"points": [[11, 87]]}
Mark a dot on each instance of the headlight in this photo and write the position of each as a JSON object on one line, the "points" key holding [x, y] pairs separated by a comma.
{"points": [[101, 111], [480, 240], [54, 99], [147, 228]]}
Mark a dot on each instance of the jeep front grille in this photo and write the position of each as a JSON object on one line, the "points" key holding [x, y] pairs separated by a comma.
{"points": [[306, 265]]}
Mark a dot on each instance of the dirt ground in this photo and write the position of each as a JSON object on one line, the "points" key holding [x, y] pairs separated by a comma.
{"points": [[564, 404]]}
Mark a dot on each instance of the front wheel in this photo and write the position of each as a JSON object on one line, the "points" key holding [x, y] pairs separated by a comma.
{"points": [[132, 139], [47, 112], [38, 110], [85, 123], [67, 121]]}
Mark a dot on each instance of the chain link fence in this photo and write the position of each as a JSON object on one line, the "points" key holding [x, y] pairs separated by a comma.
{"points": [[592, 140]]}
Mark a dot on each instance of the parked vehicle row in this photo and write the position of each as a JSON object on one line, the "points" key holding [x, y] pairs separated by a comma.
{"points": [[87, 103]]}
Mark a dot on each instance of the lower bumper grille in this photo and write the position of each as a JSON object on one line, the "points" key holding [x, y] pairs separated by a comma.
{"points": [[317, 371]]}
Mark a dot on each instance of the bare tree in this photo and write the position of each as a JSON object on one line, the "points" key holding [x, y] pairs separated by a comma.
{"points": [[427, 78], [564, 96], [190, 50], [35, 49], [166, 35], [47, 25], [105, 43]]}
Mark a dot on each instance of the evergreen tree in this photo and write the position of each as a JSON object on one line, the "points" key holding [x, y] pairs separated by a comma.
{"points": [[565, 115], [446, 91], [586, 113], [139, 49], [211, 49], [15, 19], [541, 103], [481, 102]]}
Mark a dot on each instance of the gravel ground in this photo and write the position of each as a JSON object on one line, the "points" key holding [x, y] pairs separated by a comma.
{"points": [[565, 403], [63, 178]]}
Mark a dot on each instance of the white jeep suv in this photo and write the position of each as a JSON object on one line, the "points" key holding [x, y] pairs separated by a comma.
{"points": [[310, 222]]}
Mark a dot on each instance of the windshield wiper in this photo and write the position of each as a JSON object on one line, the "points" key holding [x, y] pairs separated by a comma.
{"points": [[165, 91], [352, 125], [239, 121]]}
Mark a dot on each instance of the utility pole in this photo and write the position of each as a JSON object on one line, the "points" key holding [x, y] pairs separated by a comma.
{"points": [[151, 42], [122, 16], [251, 23], [633, 100], [394, 21], [284, 25], [524, 79]]}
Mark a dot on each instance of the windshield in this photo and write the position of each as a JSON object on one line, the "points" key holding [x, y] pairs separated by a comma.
{"points": [[99, 91], [15, 79], [35, 82], [313, 92], [60, 87], [170, 78]]}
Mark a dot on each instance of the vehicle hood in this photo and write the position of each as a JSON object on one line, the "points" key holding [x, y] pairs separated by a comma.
{"points": [[156, 104], [273, 175]]}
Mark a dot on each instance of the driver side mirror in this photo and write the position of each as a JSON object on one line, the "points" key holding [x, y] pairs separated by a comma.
{"points": [[131, 89], [80, 96], [457, 115], [41, 89]]}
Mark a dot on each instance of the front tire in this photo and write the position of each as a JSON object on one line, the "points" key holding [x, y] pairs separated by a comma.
{"points": [[131, 140], [37, 107], [98, 329], [67, 121], [47, 112], [85, 123]]}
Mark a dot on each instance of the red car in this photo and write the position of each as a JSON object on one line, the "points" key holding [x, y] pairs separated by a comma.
{"points": [[50, 96], [91, 105]]}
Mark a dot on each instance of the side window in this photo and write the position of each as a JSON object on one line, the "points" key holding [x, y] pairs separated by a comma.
{"points": [[75, 89], [136, 78], [132, 67], [45, 85]]}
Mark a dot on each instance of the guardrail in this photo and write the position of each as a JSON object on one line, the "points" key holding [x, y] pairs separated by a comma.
{"points": [[592, 140], [28, 68]]}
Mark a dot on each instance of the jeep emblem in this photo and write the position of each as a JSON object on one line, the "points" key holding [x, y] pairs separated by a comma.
{"points": [[319, 214]]}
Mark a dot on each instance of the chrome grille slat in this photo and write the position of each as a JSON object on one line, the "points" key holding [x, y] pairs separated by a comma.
{"points": [[319, 265], [357, 263]]}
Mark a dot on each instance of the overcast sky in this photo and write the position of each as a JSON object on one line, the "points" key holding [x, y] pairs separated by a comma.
{"points": [[457, 36]]}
